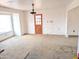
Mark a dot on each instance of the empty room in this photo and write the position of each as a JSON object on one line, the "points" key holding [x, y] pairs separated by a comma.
{"points": [[39, 29]]}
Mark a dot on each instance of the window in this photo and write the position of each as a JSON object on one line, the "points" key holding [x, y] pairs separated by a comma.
{"points": [[5, 24], [38, 20]]}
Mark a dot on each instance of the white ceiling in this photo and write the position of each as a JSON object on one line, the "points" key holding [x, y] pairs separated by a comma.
{"points": [[39, 4]]}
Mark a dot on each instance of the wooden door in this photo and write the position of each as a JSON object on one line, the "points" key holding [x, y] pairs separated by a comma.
{"points": [[38, 23]]}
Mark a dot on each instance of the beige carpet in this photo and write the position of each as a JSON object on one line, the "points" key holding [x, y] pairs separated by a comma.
{"points": [[39, 47]]}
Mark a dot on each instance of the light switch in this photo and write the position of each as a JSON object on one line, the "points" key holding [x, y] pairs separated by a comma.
{"points": [[51, 21]]}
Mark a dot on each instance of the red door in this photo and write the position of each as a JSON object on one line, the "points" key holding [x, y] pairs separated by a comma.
{"points": [[38, 23]]}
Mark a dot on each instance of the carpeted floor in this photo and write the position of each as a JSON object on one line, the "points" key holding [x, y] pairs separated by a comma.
{"points": [[39, 47]]}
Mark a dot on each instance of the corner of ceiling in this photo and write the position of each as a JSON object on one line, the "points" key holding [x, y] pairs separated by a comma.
{"points": [[73, 4]]}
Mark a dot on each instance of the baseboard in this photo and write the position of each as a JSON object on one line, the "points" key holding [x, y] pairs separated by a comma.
{"points": [[47, 34], [72, 35]]}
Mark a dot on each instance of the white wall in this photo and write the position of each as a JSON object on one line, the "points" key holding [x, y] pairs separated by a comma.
{"points": [[72, 18], [73, 21], [30, 23], [23, 22], [54, 21]]}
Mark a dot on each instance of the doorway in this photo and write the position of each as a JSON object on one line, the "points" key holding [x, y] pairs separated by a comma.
{"points": [[38, 23]]}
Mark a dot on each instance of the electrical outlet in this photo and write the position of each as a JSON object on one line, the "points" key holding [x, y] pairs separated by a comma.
{"points": [[73, 30]]}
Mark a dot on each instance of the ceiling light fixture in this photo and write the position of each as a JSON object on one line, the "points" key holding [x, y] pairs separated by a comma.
{"points": [[33, 11]]}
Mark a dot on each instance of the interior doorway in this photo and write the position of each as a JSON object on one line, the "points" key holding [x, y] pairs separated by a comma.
{"points": [[38, 23]]}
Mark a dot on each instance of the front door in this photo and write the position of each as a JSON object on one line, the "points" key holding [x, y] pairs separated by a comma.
{"points": [[38, 23]]}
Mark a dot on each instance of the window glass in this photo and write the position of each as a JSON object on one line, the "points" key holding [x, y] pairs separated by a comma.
{"points": [[5, 24]]}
